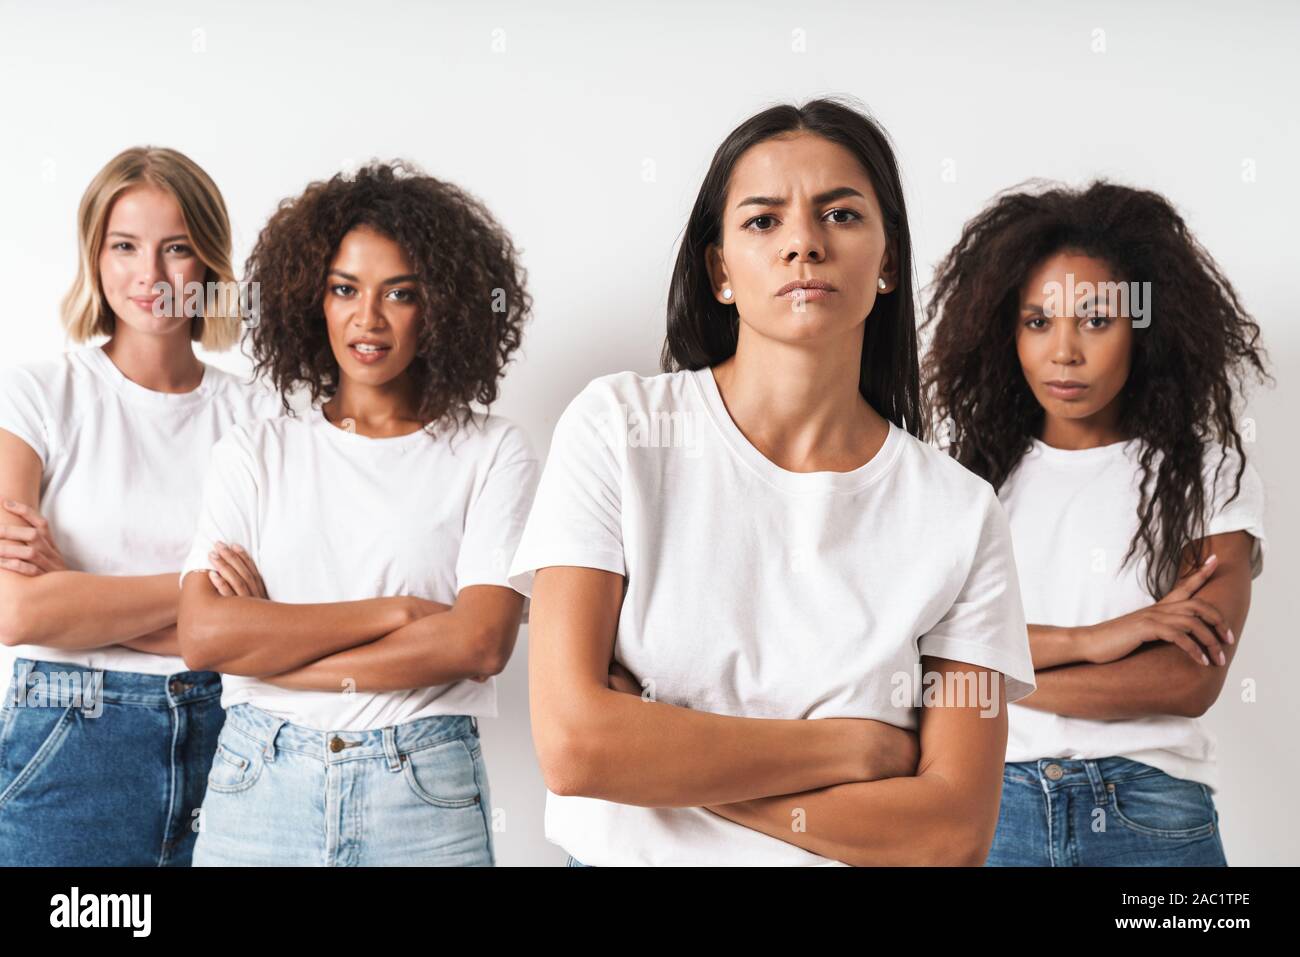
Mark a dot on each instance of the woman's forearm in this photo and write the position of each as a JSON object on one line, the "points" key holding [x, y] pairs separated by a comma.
{"points": [[256, 637], [1050, 646], [1156, 679], [164, 641], [77, 610], [435, 650], [620, 748], [898, 821]]}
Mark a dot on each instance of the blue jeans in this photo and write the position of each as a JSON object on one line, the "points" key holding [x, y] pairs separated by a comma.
{"points": [[280, 794], [574, 862], [104, 768], [1108, 812]]}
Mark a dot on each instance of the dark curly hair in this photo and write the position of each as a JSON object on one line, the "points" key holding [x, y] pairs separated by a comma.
{"points": [[1186, 367], [470, 286], [703, 332]]}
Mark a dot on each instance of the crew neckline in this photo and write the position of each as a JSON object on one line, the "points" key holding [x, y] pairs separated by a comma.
{"points": [[1099, 453], [356, 441], [135, 391], [783, 479]]}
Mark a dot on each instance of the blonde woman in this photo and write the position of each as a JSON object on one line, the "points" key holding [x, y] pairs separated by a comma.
{"points": [[106, 736]]}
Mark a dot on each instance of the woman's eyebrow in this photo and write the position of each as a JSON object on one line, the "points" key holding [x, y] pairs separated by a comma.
{"points": [[387, 282], [838, 193], [169, 239]]}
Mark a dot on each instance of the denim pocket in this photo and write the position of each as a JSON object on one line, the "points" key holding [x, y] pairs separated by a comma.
{"points": [[32, 736], [1163, 806], [231, 770], [444, 775]]}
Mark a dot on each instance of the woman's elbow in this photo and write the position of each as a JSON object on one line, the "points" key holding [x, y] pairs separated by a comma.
{"points": [[493, 648], [196, 637], [964, 836], [566, 753], [18, 620]]}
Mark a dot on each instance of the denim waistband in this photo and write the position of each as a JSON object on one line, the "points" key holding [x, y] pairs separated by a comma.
{"points": [[59, 683], [1055, 773], [333, 747]]}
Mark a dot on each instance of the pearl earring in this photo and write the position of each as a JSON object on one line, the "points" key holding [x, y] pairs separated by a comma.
{"points": [[881, 282], [726, 294]]}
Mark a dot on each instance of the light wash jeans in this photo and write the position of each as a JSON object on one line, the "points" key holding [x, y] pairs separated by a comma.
{"points": [[410, 794], [104, 768], [1108, 812]]}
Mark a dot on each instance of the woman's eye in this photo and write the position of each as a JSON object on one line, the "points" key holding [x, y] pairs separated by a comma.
{"points": [[753, 223], [852, 214], [1036, 319], [1101, 320], [122, 246], [180, 250], [341, 290], [402, 295]]}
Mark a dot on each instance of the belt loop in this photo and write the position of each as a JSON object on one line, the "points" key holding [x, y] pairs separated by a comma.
{"points": [[474, 722], [1099, 793], [390, 749], [268, 752]]}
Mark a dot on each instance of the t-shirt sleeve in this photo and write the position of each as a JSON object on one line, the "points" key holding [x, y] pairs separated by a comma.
{"points": [[1245, 511], [986, 623], [576, 517], [496, 516], [24, 410], [229, 510]]}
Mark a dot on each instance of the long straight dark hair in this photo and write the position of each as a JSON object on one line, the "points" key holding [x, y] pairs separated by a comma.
{"points": [[702, 331]]}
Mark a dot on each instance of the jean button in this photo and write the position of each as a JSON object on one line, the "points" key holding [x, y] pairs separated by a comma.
{"points": [[336, 744], [1054, 772]]}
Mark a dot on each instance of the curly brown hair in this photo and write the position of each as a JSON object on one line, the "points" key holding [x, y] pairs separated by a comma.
{"points": [[470, 286], [1187, 367]]}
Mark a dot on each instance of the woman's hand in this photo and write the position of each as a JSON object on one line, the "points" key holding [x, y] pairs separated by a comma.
{"points": [[233, 572], [27, 546], [1191, 623]]}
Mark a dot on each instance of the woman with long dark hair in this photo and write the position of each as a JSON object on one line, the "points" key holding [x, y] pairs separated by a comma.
{"points": [[758, 537], [1088, 358]]}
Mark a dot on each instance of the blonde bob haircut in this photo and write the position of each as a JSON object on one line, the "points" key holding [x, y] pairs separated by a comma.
{"points": [[86, 312]]}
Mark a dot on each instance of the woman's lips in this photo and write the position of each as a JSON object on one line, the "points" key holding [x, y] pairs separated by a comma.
{"points": [[1066, 391], [369, 358], [807, 295]]}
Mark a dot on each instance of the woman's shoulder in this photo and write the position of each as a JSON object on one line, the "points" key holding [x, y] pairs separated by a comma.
{"points": [[502, 437], [940, 472], [635, 389]]}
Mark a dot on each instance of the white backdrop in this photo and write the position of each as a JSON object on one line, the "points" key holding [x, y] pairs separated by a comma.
{"points": [[587, 130]]}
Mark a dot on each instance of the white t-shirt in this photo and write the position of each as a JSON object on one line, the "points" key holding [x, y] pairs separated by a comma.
{"points": [[122, 470], [759, 592], [1073, 514], [329, 515]]}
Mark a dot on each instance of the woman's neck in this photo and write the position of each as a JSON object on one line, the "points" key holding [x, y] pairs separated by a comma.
{"points": [[377, 411], [799, 403], [162, 363], [1101, 428]]}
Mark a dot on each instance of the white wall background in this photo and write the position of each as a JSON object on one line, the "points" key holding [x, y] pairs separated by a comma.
{"points": [[587, 128]]}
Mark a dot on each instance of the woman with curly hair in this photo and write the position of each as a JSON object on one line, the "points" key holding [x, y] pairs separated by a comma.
{"points": [[353, 558], [102, 457], [1087, 358], [758, 537]]}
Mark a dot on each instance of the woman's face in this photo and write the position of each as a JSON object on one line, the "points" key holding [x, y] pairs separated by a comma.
{"points": [[1074, 355], [801, 208], [147, 245], [371, 308]]}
